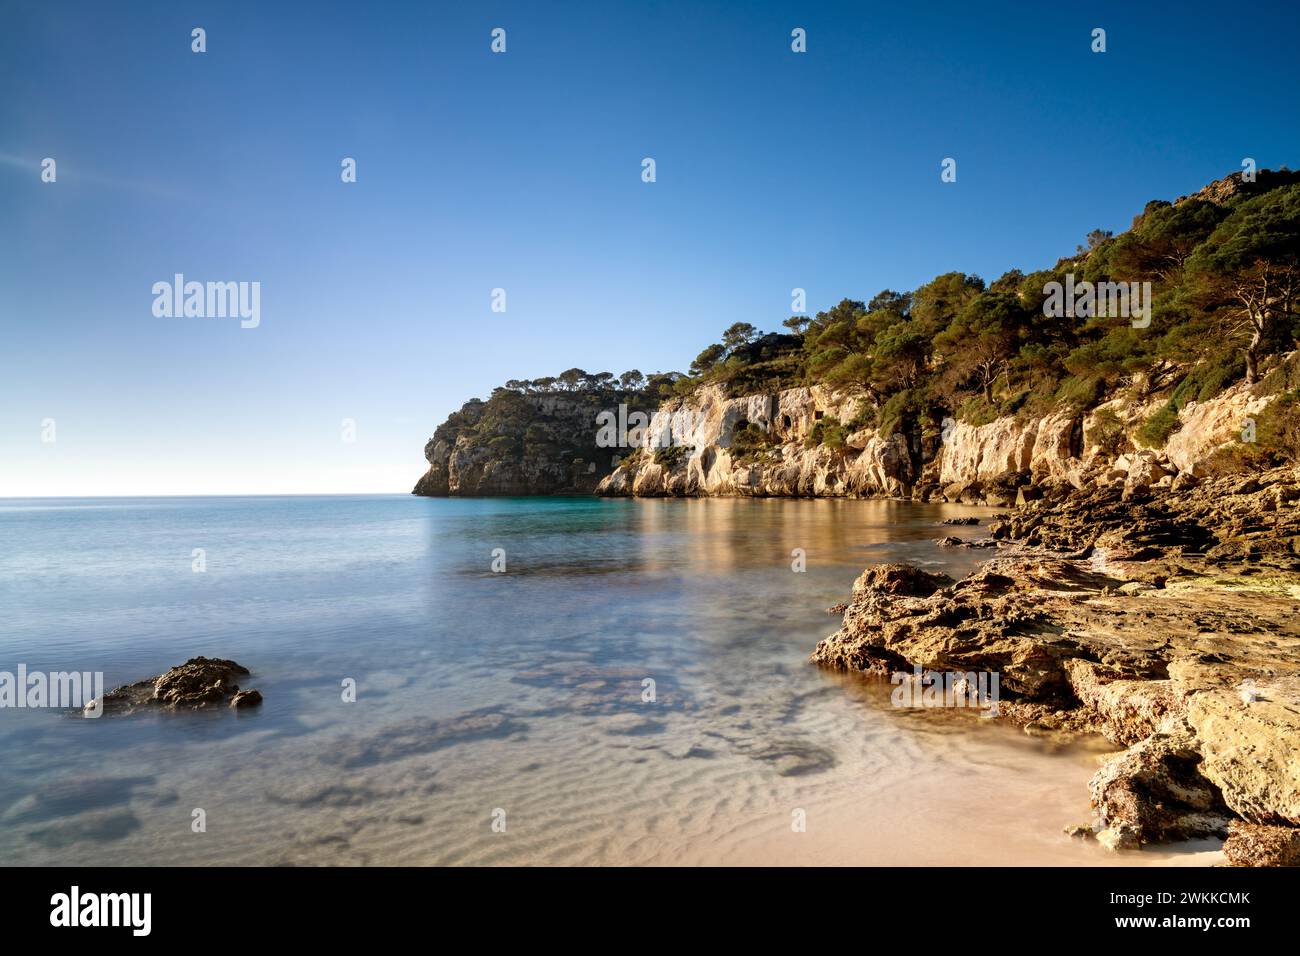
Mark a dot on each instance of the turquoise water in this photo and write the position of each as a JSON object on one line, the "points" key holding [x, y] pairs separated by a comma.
{"points": [[483, 696]]}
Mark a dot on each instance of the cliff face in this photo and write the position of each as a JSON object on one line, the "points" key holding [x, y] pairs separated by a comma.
{"points": [[984, 464], [757, 446], [518, 445], [756, 417], [692, 447]]}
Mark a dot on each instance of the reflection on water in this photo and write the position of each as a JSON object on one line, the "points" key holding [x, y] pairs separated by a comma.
{"points": [[515, 696]]}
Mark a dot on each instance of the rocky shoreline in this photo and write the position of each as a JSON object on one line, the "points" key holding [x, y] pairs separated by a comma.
{"points": [[1164, 619]]}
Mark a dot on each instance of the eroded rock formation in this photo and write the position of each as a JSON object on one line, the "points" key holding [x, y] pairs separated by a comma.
{"points": [[692, 448], [1166, 623]]}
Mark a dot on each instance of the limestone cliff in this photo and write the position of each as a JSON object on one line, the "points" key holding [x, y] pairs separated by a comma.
{"points": [[961, 389], [691, 449]]}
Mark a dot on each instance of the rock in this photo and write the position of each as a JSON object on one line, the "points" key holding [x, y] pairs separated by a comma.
{"points": [[199, 683], [1143, 471], [951, 541], [1027, 494], [900, 579], [687, 450], [1135, 587], [1254, 844], [1119, 838], [1079, 832], [1205, 427], [462, 462], [1153, 792], [1252, 750], [960, 521], [246, 698], [976, 453], [1164, 676], [1127, 709], [1247, 487], [1058, 446]]}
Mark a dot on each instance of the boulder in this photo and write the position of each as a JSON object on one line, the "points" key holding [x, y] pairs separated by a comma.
{"points": [[1153, 793]]}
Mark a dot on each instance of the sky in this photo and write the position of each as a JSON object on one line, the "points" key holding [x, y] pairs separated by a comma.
{"points": [[522, 171]]}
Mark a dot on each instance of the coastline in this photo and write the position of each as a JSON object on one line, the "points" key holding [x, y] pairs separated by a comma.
{"points": [[1165, 623]]}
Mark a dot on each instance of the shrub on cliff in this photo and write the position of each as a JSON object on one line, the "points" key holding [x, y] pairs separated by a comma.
{"points": [[1107, 432], [827, 433], [670, 456], [750, 440], [1162, 423]]}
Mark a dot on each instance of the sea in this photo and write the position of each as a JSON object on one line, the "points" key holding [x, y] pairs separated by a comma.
{"points": [[516, 681]]}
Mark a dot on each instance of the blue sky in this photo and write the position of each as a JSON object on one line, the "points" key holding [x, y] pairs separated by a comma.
{"points": [[523, 171]]}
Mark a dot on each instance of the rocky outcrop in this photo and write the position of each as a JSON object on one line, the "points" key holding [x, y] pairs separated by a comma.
{"points": [[985, 453], [1235, 184], [1166, 623], [198, 684], [513, 444], [1152, 793], [690, 449], [694, 448], [776, 444], [1205, 427]]}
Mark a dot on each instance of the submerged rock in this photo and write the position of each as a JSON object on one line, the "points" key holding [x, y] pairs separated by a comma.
{"points": [[199, 683], [246, 698]]}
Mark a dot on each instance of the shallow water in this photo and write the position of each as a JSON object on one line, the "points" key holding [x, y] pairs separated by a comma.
{"points": [[514, 696]]}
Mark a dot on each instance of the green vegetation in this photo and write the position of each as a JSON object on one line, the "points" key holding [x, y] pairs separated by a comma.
{"points": [[1277, 439], [518, 423], [1155, 431], [1107, 431], [1224, 274], [828, 433], [750, 440], [669, 456]]}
